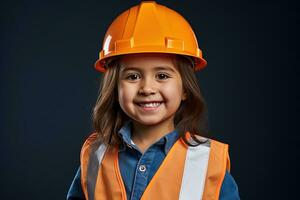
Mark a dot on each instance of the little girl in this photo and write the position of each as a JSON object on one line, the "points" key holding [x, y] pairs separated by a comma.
{"points": [[150, 117]]}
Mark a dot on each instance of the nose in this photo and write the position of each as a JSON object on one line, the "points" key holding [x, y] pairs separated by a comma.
{"points": [[147, 87]]}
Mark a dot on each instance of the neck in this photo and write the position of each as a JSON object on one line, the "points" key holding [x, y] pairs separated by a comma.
{"points": [[145, 135]]}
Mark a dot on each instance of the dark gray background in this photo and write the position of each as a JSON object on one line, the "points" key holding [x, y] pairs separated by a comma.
{"points": [[49, 86]]}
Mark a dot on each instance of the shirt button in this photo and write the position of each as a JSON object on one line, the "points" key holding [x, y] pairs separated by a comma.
{"points": [[142, 168]]}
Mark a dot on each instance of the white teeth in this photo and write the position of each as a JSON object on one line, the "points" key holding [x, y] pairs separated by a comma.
{"points": [[150, 105]]}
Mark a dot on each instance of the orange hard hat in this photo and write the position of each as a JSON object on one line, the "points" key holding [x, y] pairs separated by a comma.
{"points": [[150, 28]]}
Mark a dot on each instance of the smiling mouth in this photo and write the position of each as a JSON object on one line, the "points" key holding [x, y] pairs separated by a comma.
{"points": [[149, 104]]}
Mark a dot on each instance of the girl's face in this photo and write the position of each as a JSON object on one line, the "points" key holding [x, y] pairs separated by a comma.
{"points": [[150, 88]]}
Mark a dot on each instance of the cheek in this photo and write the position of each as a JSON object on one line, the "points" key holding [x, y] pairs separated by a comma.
{"points": [[173, 92], [125, 94]]}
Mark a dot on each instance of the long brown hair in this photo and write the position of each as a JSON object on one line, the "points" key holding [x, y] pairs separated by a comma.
{"points": [[191, 116]]}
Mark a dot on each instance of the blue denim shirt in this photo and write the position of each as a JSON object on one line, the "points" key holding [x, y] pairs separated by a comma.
{"points": [[137, 169]]}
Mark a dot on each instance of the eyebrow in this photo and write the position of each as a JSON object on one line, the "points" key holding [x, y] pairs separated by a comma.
{"points": [[155, 68]]}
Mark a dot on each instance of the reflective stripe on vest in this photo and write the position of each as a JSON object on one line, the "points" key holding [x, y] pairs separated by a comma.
{"points": [[192, 173]]}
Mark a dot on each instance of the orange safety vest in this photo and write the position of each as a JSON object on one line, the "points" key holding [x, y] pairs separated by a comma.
{"points": [[187, 173]]}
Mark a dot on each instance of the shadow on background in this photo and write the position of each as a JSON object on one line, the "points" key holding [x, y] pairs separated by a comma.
{"points": [[49, 87]]}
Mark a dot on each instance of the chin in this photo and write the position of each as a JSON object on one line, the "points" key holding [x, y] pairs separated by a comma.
{"points": [[150, 122], [147, 122]]}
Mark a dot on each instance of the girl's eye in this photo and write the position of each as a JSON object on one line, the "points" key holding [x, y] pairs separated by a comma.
{"points": [[163, 76], [132, 77]]}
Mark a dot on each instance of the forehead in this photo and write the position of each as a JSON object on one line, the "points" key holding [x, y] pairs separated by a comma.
{"points": [[148, 61]]}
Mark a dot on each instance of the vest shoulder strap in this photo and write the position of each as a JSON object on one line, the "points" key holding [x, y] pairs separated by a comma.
{"points": [[217, 165], [85, 160]]}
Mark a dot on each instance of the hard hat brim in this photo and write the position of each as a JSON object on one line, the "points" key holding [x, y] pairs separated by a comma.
{"points": [[100, 64]]}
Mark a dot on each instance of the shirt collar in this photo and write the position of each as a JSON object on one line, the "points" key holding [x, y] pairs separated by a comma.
{"points": [[125, 135], [166, 142]]}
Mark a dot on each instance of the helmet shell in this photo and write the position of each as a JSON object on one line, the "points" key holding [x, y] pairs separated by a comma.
{"points": [[150, 28]]}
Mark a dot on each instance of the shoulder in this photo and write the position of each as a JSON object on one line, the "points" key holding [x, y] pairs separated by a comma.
{"points": [[218, 171], [192, 137], [90, 139], [90, 144], [219, 153], [207, 141]]}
